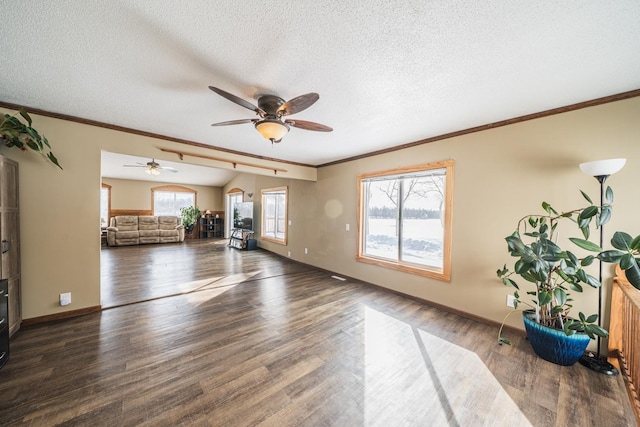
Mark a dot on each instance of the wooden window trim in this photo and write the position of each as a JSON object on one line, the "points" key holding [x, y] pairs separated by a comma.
{"points": [[286, 215], [443, 274]]}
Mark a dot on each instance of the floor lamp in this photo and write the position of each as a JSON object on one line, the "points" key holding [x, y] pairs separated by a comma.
{"points": [[601, 170]]}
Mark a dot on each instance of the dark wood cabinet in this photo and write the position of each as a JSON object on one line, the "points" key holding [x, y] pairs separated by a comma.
{"points": [[10, 240], [211, 227], [4, 321]]}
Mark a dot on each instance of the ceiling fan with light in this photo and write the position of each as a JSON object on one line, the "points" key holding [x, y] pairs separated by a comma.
{"points": [[271, 109], [152, 167]]}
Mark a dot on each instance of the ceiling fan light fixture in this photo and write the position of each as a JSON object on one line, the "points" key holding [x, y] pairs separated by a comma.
{"points": [[152, 171], [272, 129]]}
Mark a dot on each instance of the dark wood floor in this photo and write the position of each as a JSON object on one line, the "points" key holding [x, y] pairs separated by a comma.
{"points": [[139, 273], [286, 345]]}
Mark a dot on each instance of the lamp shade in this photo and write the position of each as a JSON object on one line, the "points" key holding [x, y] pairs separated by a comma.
{"points": [[602, 167], [272, 129]]}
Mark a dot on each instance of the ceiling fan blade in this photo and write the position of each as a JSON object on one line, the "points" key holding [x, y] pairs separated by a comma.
{"points": [[167, 168], [237, 100], [134, 166], [234, 122], [298, 104], [303, 124]]}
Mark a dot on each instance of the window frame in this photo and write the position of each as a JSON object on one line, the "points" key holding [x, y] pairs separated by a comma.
{"points": [[171, 189], [106, 187], [443, 273], [264, 193], [230, 205]]}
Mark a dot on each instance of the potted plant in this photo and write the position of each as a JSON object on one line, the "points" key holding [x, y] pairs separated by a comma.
{"points": [[189, 216], [15, 133], [551, 272]]}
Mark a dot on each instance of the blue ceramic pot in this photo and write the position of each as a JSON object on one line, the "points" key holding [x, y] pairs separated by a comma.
{"points": [[554, 345]]}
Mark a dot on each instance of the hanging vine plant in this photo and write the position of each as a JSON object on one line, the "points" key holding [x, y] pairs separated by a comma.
{"points": [[15, 133]]}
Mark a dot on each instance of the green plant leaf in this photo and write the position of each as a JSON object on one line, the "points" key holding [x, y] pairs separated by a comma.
{"points": [[609, 195], [586, 231], [582, 317], [560, 296], [586, 244], [593, 282], [588, 212], [621, 240], [605, 216], [575, 287], [26, 116], [544, 298], [611, 256], [596, 330], [635, 243], [572, 258], [627, 261], [586, 197], [503, 341], [633, 275], [547, 207], [586, 261], [568, 327], [53, 159], [592, 318]]}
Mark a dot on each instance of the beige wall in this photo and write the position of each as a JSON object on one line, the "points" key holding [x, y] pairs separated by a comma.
{"points": [[136, 195], [62, 253], [500, 175]]}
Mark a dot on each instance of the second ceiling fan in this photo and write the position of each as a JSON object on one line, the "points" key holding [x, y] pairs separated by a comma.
{"points": [[271, 109]]}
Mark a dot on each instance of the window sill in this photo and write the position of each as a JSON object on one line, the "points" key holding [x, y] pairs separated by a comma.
{"points": [[407, 268]]}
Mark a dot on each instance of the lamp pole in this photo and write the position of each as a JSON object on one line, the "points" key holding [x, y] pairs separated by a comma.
{"points": [[600, 170]]}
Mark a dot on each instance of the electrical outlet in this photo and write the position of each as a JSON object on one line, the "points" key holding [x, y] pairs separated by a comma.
{"points": [[65, 298], [511, 301], [346, 227], [306, 251], [289, 254]]}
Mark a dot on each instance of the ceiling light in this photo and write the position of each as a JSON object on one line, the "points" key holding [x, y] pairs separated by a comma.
{"points": [[272, 129], [153, 171]]}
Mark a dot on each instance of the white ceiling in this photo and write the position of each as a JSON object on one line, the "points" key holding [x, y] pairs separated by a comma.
{"points": [[388, 72], [113, 167]]}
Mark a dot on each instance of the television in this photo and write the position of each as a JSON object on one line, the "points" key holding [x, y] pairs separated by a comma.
{"points": [[243, 215]]}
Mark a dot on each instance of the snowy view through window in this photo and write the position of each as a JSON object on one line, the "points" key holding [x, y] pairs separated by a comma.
{"points": [[170, 202], [404, 218]]}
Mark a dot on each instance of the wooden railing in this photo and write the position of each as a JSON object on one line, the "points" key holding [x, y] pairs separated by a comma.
{"points": [[624, 335]]}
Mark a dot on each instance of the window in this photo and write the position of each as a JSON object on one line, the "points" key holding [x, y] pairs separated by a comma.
{"points": [[274, 215], [169, 199], [105, 205], [405, 219], [234, 197]]}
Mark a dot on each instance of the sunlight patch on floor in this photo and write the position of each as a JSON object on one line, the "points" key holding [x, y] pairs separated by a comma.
{"points": [[214, 286], [434, 380]]}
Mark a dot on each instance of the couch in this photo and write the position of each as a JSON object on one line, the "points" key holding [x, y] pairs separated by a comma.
{"points": [[137, 230]]}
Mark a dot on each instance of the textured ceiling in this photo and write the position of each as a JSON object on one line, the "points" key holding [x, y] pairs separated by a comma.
{"points": [[388, 72], [113, 166]]}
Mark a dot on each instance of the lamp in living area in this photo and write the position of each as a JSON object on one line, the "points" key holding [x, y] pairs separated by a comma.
{"points": [[601, 170], [272, 129], [152, 171]]}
